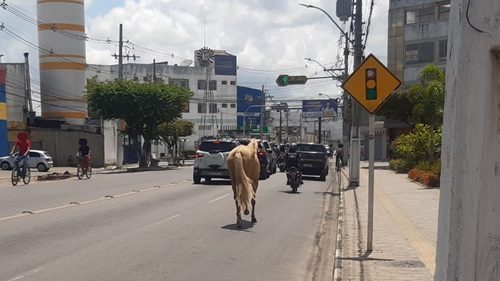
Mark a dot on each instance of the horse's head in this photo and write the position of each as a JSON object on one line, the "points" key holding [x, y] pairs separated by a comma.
{"points": [[254, 145]]}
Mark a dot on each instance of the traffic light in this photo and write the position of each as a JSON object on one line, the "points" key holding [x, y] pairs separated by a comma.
{"points": [[282, 80], [371, 83]]}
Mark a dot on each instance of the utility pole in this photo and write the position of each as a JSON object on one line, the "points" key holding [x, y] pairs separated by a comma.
{"points": [[29, 114], [281, 120], [319, 130], [355, 140], [154, 71], [262, 112], [287, 128], [119, 145]]}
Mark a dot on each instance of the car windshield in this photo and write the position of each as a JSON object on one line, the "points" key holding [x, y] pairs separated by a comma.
{"points": [[217, 146]]}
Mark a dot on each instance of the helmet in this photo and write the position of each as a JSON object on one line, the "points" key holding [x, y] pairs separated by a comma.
{"points": [[293, 148], [82, 141]]}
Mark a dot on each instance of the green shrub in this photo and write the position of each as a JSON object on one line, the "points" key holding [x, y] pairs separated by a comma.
{"points": [[399, 165], [421, 144]]}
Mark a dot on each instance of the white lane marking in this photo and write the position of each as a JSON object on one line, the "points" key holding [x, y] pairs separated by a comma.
{"points": [[31, 272], [163, 221], [89, 201], [219, 198]]}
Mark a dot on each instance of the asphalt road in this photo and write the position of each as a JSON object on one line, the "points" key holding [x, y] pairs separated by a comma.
{"points": [[159, 226]]}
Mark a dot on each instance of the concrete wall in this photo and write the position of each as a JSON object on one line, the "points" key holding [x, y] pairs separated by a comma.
{"points": [[469, 226], [63, 145]]}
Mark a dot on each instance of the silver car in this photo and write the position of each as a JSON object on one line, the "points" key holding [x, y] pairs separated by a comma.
{"points": [[211, 160], [38, 159]]}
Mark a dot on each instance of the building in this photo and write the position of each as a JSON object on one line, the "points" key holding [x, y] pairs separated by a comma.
{"points": [[212, 108], [417, 36]]}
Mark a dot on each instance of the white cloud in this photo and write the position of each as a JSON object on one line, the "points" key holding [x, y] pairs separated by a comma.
{"points": [[265, 35]]}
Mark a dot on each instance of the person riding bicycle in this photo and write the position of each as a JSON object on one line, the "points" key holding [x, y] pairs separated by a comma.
{"points": [[339, 156], [293, 159], [23, 145], [84, 152]]}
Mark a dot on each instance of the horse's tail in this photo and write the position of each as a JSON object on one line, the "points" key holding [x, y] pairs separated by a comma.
{"points": [[244, 186]]}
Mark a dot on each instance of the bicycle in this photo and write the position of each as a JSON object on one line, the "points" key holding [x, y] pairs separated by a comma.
{"points": [[15, 177], [84, 167], [338, 163]]}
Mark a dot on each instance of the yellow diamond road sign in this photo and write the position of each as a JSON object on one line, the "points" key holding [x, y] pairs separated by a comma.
{"points": [[371, 84]]}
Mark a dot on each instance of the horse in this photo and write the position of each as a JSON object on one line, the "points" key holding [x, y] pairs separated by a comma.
{"points": [[244, 171]]}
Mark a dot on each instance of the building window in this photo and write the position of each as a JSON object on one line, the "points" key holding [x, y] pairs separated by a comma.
{"points": [[419, 53], [420, 15], [213, 108], [233, 105], [202, 108], [202, 85], [444, 11], [442, 49], [213, 85], [183, 83], [233, 82], [224, 105], [411, 16], [427, 14], [224, 82]]}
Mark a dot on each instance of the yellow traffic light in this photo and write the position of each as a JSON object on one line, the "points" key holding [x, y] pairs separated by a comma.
{"points": [[371, 83]]}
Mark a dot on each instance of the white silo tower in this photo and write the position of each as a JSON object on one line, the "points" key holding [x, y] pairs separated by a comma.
{"points": [[61, 37]]}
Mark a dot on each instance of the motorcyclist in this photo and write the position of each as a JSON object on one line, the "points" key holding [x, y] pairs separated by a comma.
{"points": [[293, 159]]}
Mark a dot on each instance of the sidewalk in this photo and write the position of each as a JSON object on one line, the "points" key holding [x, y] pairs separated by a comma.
{"points": [[405, 229], [5, 174]]}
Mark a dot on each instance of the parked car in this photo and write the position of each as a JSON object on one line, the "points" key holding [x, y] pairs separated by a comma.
{"points": [[211, 160], [314, 159], [38, 159]]}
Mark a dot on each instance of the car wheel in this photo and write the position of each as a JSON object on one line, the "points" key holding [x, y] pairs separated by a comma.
{"points": [[41, 167], [196, 179], [5, 166]]}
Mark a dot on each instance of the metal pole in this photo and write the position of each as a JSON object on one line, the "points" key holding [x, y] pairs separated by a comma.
{"points": [[371, 181], [154, 71], [119, 145], [346, 109], [281, 120], [262, 111], [319, 130]]}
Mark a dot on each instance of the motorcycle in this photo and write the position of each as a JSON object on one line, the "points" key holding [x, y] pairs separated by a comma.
{"points": [[294, 177], [282, 163]]}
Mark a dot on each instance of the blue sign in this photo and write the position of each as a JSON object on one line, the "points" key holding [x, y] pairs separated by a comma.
{"points": [[319, 108], [225, 64], [248, 106]]}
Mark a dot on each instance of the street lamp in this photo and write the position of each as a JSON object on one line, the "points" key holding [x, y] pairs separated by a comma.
{"points": [[346, 126]]}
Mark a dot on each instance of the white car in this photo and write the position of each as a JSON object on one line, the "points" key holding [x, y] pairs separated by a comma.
{"points": [[38, 159], [211, 160]]}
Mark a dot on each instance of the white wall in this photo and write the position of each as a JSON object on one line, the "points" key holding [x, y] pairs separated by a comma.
{"points": [[15, 94], [109, 132], [469, 225]]}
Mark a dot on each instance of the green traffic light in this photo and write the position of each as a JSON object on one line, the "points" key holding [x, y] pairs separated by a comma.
{"points": [[284, 80]]}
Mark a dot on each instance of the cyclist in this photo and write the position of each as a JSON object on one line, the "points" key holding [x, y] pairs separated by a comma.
{"points": [[292, 159], [339, 156], [23, 145], [84, 153]]}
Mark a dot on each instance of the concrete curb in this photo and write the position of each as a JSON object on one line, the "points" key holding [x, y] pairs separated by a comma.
{"points": [[337, 267]]}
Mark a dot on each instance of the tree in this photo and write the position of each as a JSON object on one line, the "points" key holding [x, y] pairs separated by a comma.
{"points": [[422, 102], [143, 106], [170, 132]]}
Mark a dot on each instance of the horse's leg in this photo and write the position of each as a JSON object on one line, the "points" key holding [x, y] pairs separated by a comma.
{"points": [[254, 219], [238, 214]]}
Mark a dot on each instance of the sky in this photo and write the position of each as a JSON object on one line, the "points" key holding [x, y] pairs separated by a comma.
{"points": [[269, 37]]}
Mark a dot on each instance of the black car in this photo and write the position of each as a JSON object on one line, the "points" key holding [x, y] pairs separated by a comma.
{"points": [[273, 157], [314, 159], [265, 160]]}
